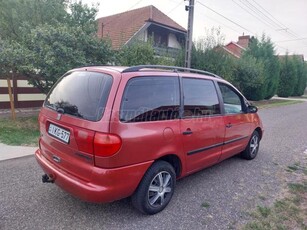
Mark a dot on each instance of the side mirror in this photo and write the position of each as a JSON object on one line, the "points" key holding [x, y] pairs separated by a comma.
{"points": [[252, 109]]}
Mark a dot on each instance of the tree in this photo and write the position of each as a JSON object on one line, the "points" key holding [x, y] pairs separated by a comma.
{"points": [[136, 53], [42, 40], [18, 16], [249, 77], [300, 86], [288, 77], [208, 55], [263, 50], [54, 50]]}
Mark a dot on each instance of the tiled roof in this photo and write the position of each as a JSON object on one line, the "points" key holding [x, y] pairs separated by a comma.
{"points": [[234, 49], [121, 27]]}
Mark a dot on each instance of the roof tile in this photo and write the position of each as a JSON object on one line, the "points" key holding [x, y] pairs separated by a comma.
{"points": [[121, 27]]}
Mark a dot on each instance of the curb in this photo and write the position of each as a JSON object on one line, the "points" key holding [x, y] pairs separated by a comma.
{"points": [[11, 152]]}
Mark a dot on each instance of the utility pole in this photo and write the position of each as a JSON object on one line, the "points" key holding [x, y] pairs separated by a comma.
{"points": [[189, 41]]}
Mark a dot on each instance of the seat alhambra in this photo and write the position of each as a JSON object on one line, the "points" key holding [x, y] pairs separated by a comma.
{"points": [[107, 133]]}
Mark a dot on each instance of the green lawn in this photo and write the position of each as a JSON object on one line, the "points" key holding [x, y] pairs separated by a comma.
{"points": [[273, 103], [24, 131]]}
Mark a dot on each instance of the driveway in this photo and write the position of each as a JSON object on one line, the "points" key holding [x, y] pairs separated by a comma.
{"points": [[219, 197]]}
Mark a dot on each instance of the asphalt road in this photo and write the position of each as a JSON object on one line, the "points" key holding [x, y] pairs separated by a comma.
{"points": [[228, 190]]}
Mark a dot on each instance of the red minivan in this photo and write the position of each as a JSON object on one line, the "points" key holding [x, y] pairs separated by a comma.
{"points": [[112, 132]]}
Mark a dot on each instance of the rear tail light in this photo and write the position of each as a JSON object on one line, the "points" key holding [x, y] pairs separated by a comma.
{"points": [[84, 139], [106, 145]]}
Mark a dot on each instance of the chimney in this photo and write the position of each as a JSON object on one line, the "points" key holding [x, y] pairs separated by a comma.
{"points": [[243, 41]]}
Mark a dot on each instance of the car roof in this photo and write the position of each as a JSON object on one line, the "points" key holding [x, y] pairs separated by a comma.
{"points": [[147, 68]]}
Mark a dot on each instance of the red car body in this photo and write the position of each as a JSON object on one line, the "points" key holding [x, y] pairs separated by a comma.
{"points": [[104, 157]]}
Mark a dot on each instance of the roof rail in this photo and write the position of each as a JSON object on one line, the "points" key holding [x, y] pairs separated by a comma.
{"points": [[173, 68]]}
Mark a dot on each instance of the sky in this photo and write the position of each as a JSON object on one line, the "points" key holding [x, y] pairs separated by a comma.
{"points": [[283, 21]]}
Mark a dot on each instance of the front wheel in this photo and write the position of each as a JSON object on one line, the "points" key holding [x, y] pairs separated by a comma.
{"points": [[156, 188], [252, 147]]}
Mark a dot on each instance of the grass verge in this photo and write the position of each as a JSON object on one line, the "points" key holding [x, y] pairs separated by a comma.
{"points": [[289, 212], [274, 103], [24, 131]]}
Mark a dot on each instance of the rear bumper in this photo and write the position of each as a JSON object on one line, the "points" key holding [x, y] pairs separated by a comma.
{"points": [[106, 185]]}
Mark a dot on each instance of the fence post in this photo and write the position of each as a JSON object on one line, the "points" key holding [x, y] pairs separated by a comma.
{"points": [[11, 98]]}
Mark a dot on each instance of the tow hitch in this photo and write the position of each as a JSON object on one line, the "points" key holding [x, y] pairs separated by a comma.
{"points": [[47, 179]]}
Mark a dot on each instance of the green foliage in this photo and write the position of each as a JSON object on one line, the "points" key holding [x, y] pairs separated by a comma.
{"points": [[137, 53], [208, 55], [141, 53], [22, 131], [55, 50], [288, 77], [17, 16], [299, 88], [263, 50], [249, 78], [12, 55], [42, 40]]}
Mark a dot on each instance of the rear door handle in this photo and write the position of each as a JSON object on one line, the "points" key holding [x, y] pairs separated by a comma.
{"points": [[229, 125], [187, 132]]}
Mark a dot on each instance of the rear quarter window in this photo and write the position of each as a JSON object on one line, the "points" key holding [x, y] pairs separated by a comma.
{"points": [[81, 94]]}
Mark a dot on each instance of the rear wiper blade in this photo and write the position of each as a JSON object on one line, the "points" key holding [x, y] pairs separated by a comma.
{"points": [[60, 110]]}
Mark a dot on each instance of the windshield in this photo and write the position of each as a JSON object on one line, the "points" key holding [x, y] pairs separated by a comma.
{"points": [[81, 94]]}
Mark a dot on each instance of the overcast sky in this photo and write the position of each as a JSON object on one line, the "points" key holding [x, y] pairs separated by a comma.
{"points": [[284, 21]]}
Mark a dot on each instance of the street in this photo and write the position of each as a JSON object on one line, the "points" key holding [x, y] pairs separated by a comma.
{"points": [[219, 197]]}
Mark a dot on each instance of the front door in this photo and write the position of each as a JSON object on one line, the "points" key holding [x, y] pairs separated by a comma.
{"points": [[237, 122]]}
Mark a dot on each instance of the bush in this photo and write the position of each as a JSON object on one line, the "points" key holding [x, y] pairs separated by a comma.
{"points": [[299, 88], [137, 53], [288, 77], [263, 50], [249, 78]]}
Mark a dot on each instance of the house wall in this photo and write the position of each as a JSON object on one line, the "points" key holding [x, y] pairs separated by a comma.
{"points": [[173, 42], [25, 95], [142, 36]]}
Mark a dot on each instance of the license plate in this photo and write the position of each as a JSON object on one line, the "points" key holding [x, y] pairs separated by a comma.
{"points": [[59, 133]]}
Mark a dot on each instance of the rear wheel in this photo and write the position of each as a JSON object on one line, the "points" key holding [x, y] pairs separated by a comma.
{"points": [[156, 188], [252, 147]]}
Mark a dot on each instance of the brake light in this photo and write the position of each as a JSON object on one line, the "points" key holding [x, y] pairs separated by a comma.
{"points": [[106, 145]]}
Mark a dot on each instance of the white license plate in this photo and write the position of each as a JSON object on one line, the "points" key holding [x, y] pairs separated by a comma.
{"points": [[59, 133]]}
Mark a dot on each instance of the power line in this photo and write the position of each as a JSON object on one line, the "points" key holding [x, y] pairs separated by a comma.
{"points": [[269, 17], [282, 25], [213, 19], [248, 10], [224, 17], [180, 3], [292, 40]]}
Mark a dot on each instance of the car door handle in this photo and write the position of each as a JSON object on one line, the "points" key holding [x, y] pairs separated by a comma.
{"points": [[187, 132], [229, 125]]}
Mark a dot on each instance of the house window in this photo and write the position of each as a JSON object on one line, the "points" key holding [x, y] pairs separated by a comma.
{"points": [[159, 35]]}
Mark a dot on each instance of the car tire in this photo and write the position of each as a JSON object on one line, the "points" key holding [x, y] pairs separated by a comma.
{"points": [[156, 188], [252, 147]]}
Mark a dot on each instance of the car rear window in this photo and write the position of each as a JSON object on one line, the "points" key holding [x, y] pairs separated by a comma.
{"points": [[81, 94]]}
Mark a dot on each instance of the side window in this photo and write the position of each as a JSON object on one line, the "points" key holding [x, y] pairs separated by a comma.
{"points": [[232, 101], [200, 98], [150, 99]]}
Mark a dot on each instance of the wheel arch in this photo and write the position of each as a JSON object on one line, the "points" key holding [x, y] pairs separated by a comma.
{"points": [[259, 130], [173, 160]]}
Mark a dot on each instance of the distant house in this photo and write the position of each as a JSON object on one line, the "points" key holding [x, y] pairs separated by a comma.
{"points": [[236, 48], [143, 24]]}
